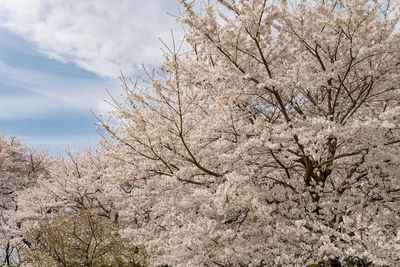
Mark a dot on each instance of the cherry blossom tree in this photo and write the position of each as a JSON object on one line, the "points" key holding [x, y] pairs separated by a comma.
{"points": [[274, 140], [20, 167], [67, 219], [73, 182]]}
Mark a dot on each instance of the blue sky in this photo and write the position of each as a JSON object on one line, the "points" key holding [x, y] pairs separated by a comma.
{"points": [[57, 59]]}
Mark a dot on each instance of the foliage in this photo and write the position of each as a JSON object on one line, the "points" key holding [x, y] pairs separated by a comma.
{"points": [[80, 239]]}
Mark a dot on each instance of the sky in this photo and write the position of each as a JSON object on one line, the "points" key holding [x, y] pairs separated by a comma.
{"points": [[58, 57]]}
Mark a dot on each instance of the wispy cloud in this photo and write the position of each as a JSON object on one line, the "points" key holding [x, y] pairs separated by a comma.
{"points": [[102, 36], [51, 92], [12, 108]]}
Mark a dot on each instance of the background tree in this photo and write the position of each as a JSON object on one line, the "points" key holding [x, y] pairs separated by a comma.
{"points": [[80, 238], [20, 167], [273, 141], [67, 219]]}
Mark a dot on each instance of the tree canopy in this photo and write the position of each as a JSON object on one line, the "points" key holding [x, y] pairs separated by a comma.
{"points": [[273, 140]]}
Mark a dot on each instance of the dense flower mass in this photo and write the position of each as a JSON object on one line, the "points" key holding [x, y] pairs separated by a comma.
{"points": [[271, 139], [20, 167]]}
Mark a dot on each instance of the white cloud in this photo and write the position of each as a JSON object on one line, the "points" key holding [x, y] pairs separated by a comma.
{"points": [[102, 36], [22, 107], [51, 93]]}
